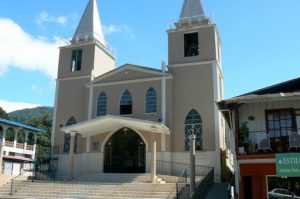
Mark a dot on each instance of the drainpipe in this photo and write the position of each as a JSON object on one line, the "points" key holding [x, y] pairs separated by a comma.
{"points": [[163, 104], [91, 94]]}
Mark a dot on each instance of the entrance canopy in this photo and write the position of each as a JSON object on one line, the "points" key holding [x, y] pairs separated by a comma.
{"points": [[109, 123]]}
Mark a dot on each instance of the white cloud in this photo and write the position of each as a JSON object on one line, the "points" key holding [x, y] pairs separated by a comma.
{"points": [[13, 106], [37, 89], [123, 29], [44, 17], [20, 49]]}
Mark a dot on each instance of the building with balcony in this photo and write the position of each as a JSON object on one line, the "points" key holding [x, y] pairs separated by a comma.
{"points": [[18, 146], [123, 119], [266, 135]]}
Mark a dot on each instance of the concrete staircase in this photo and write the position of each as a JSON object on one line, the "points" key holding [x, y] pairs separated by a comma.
{"points": [[109, 186]]}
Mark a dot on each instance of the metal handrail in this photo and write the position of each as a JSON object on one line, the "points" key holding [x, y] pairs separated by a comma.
{"points": [[184, 172], [12, 180], [229, 188]]}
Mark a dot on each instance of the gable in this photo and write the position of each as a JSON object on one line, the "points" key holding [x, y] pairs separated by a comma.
{"points": [[128, 72]]}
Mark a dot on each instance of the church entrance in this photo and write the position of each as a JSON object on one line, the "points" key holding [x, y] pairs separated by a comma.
{"points": [[125, 152]]}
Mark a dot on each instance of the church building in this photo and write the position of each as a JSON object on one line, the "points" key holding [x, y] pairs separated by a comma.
{"points": [[123, 119]]}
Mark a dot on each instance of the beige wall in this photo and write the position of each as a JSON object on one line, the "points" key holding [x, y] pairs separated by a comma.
{"points": [[257, 110], [206, 41], [127, 74], [195, 92], [72, 101], [138, 93], [92, 58]]}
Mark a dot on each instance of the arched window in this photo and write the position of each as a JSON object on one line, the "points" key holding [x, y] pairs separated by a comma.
{"points": [[71, 121], [126, 103], [151, 100], [101, 104], [67, 137], [193, 125]]}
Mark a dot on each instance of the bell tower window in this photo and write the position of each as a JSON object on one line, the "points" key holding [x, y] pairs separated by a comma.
{"points": [[191, 47], [76, 60]]}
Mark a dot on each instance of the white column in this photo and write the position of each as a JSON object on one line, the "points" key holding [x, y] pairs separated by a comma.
{"points": [[2, 144], [153, 155], [88, 144], [4, 134], [26, 139], [71, 157], [16, 137], [192, 164], [34, 146], [1, 157], [54, 114]]}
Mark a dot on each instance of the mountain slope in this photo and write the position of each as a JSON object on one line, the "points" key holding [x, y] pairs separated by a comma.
{"points": [[28, 114]]}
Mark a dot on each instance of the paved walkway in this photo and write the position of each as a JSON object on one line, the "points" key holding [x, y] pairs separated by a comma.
{"points": [[218, 191]]}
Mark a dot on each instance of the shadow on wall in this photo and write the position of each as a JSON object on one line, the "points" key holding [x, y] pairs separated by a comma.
{"points": [[226, 174]]}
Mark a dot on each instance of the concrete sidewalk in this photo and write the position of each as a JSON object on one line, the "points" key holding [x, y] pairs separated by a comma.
{"points": [[218, 191]]}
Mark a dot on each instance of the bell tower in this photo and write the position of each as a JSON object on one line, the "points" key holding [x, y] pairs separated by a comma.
{"points": [[86, 56], [194, 60]]}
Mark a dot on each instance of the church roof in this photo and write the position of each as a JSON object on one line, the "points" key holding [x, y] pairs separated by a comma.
{"points": [[191, 8], [90, 26]]}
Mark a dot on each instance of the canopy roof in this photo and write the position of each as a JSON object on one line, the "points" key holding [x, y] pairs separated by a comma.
{"points": [[24, 126], [109, 123]]}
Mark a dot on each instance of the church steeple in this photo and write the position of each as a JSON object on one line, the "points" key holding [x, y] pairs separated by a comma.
{"points": [[90, 26], [191, 8]]}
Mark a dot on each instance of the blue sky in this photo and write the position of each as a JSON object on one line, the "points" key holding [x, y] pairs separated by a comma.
{"points": [[260, 39]]}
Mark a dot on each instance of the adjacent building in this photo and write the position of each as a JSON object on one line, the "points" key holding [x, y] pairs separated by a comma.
{"points": [[17, 146], [266, 136], [123, 119]]}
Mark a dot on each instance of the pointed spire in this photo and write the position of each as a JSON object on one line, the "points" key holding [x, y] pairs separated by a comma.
{"points": [[90, 26], [191, 8]]}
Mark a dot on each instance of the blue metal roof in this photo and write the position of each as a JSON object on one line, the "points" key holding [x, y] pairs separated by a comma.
{"points": [[25, 126]]}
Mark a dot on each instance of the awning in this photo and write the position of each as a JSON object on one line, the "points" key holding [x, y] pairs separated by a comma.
{"points": [[110, 123], [17, 158]]}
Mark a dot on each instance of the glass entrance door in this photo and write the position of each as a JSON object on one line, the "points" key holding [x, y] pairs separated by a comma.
{"points": [[125, 153]]}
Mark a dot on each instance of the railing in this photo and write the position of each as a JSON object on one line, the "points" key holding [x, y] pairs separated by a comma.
{"points": [[9, 144], [20, 146], [13, 179], [29, 147], [181, 183], [191, 21], [175, 169], [204, 177], [93, 36], [203, 186], [231, 184], [262, 142]]}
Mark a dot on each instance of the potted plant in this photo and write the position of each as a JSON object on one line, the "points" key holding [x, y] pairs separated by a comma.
{"points": [[279, 146], [243, 137]]}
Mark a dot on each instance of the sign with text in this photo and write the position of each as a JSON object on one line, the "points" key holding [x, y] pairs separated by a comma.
{"points": [[288, 164]]}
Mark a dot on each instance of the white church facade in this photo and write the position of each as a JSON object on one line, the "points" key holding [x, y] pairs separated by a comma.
{"points": [[125, 119]]}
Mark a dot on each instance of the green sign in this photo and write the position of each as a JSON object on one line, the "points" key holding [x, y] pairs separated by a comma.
{"points": [[288, 164]]}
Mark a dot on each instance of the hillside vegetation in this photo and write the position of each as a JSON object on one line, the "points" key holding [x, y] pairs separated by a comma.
{"points": [[26, 115]]}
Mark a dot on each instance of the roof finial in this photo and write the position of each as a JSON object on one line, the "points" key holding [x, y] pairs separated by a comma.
{"points": [[90, 26], [191, 8]]}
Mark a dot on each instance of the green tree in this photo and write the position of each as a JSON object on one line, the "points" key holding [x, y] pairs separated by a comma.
{"points": [[44, 122], [3, 114]]}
